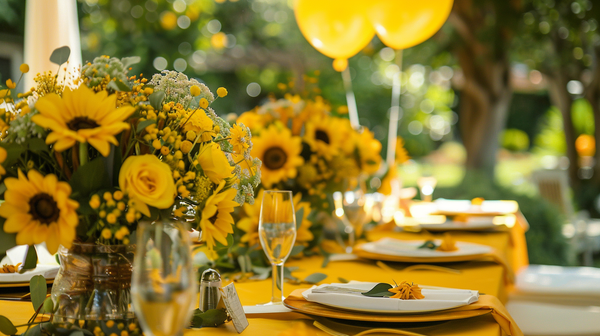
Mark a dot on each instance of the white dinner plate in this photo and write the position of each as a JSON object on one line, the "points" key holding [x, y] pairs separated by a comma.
{"points": [[48, 271], [472, 224], [410, 248], [348, 296], [464, 207]]}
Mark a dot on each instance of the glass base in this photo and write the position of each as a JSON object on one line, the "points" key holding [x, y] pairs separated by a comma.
{"points": [[271, 303]]}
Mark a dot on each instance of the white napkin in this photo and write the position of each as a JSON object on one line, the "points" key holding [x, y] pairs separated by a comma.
{"points": [[260, 309]]}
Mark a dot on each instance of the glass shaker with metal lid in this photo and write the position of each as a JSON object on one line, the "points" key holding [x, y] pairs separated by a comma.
{"points": [[210, 283]]}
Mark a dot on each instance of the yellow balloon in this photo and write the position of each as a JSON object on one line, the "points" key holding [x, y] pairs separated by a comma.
{"points": [[337, 28], [401, 24]]}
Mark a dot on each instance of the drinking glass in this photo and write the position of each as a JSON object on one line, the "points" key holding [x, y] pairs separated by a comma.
{"points": [[164, 281], [426, 186], [277, 233]]}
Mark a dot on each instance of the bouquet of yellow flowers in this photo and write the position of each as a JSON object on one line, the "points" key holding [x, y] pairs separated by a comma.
{"points": [[306, 148], [85, 158]]}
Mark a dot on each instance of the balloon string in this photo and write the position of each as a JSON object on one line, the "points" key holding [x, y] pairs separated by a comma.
{"points": [[350, 99], [394, 113]]}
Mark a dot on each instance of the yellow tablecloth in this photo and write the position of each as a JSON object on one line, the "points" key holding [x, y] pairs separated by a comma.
{"points": [[487, 277]]}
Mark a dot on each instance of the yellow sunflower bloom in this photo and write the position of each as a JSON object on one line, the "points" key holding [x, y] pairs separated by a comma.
{"points": [[216, 220], [38, 209], [401, 152], [369, 149], [82, 116], [200, 123], [279, 152], [239, 139], [249, 223], [3, 155], [323, 135]]}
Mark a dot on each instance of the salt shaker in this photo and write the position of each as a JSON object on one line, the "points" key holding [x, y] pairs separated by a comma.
{"points": [[210, 283]]}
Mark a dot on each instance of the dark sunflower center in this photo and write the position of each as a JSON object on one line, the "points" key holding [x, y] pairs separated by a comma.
{"points": [[322, 135], [42, 207], [79, 123], [275, 158], [213, 219]]}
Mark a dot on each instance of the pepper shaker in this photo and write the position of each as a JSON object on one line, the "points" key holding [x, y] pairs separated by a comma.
{"points": [[210, 283]]}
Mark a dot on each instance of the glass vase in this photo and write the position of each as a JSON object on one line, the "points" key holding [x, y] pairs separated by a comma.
{"points": [[93, 286]]}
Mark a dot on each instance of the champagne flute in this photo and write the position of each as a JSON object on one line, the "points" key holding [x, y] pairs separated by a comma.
{"points": [[164, 281], [277, 233]]}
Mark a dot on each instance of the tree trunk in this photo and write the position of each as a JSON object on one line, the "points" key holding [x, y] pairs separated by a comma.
{"points": [[486, 93], [562, 99]]}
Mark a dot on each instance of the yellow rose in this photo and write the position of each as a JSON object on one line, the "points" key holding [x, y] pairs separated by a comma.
{"points": [[214, 162], [147, 181]]}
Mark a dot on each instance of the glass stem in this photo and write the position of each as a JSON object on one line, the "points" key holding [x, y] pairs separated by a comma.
{"points": [[277, 286]]}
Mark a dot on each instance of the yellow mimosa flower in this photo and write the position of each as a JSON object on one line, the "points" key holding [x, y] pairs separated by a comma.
{"points": [[82, 116], [38, 209]]}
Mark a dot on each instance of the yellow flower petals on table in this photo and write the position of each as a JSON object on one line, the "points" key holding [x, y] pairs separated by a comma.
{"points": [[82, 116], [147, 181], [407, 291], [38, 209]]}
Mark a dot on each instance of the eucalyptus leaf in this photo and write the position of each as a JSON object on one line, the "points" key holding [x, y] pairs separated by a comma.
{"points": [[38, 289], [343, 280], [90, 177], [299, 218], [37, 145], [296, 250], [76, 333], [380, 290], [129, 61], [35, 331], [428, 245], [209, 318], [141, 126], [60, 55], [118, 85], [244, 267], [315, 278], [6, 326], [30, 259], [156, 99]]}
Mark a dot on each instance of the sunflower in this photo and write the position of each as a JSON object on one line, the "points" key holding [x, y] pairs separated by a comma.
{"points": [[323, 135], [249, 223], [38, 209], [369, 149], [401, 152], [82, 116], [279, 152], [3, 155], [239, 139], [216, 216]]}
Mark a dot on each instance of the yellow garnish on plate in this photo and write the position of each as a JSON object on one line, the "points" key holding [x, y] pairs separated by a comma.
{"points": [[477, 201], [461, 218], [10, 268], [407, 291], [448, 244]]}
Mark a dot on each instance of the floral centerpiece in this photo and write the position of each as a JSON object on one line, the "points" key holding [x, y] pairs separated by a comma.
{"points": [[86, 156]]}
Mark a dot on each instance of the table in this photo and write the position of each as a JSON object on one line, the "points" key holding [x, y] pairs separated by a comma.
{"points": [[487, 277]]}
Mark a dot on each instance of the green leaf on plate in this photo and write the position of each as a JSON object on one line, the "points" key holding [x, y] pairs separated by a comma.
{"points": [[38, 289], [342, 280], [428, 245], [30, 259], [315, 278], [60, 55], [380, 290], [7, 327]]}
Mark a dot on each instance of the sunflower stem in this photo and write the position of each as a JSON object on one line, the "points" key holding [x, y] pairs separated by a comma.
{"points": [[83, 153]]}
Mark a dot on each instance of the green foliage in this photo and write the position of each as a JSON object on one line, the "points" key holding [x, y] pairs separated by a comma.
{"points": [[60, 55], [545, 242], [380, 290], [582, 116], [315, 278], [209, 318], [38, 290], [515, 140], [551, 137], [6, 326], [30, 259], [90, 178]]}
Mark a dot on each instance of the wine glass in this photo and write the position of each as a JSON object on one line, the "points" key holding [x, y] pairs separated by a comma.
{"points": [[164, 281], [277, 233]]}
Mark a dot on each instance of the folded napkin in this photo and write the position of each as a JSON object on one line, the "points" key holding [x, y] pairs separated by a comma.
{"points": [[486, 304]]}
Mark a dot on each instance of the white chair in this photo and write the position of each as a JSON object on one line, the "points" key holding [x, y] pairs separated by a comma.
{"points": [[554, 300], [580, 230]]}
